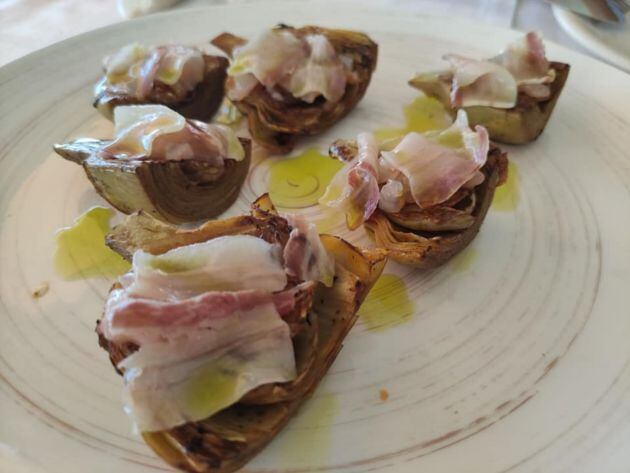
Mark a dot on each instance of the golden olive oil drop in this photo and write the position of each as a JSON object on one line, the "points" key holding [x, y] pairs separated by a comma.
{"points": [[506, 197], [309, 439], [299, 181], [210, 390], [423, 114], [81, 250], [387, 304]]}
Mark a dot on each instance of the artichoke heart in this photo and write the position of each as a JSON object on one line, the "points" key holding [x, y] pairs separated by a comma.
{"points": [[276, 118], [440, 218], [227, 440], [520, 124], [419, 201], [174, 191], [199, 103]]}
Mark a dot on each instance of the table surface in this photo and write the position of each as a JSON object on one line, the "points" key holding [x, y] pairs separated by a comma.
{"points": [[28, 25]]}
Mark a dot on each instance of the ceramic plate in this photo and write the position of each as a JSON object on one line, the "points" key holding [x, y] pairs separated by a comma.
{"points": [[512, 357], [609, 42]]}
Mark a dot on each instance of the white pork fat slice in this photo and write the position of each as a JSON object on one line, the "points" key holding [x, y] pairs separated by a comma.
{"points": [[142, 320], [120, 65], [135, 68], [392, 198], [208, 354], [305, 256], [180, 65], [157, 133], [306, 67], [323, 73], [436, 165], [526, 60], [354, 189], [267, 59], [228, 263], [481, 83], [522, 66]]}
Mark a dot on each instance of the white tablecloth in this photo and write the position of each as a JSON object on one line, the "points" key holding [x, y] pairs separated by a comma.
{"points": [[28, 25]]}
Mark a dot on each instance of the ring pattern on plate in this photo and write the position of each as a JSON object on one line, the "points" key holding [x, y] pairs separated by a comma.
{"points": [[454, 357], [515, 361]]}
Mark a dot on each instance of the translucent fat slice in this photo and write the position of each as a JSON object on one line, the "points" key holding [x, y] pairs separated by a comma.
{"points": [[459, 135], [181, 63], [435, 171], [270, 57], [141, 320], [192, 374], [392, 197], [497, 81], [136, 127], [158, 133], [126, 117], [323, 73], [481, 83], [138, 67], [229, 263], [525, 59], [306, 67], [354, 189], [304, 254], [118, 66]]}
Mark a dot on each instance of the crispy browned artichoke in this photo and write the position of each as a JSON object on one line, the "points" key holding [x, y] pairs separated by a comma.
{"points": [[518, 125], [226, 441], [427, 238], [174, 191], [200, 104], [277, 125]]}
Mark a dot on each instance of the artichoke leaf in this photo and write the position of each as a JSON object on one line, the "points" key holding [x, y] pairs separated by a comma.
{"points": [[141, 231], [439, 218], [227, 42]]}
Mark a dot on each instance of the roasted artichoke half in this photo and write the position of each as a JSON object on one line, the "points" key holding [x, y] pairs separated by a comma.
{"points": [[227, 440], [518, 125], [200, 103], [427, 238], [174, 191], [276, 119]]}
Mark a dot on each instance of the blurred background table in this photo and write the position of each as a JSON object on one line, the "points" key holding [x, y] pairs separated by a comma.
{"points": [[28, 25]]}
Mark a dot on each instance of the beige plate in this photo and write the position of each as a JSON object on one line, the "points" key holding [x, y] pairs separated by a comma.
{"points": [[516, 356]]}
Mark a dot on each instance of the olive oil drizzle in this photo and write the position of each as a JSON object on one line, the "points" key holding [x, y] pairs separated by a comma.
{"points": [[421, 115], [387, 304], [81, 251], [311, 428], [299, 181], [506, 197]]}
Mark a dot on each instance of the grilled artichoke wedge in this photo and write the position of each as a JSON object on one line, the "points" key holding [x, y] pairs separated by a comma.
{"points": [[427, 238], [174, 191], [518, 125], [277, 124], [199, 104], [227, 440]]}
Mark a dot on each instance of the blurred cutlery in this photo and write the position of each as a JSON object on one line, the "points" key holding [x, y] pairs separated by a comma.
{"points": [[609, 11]]}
